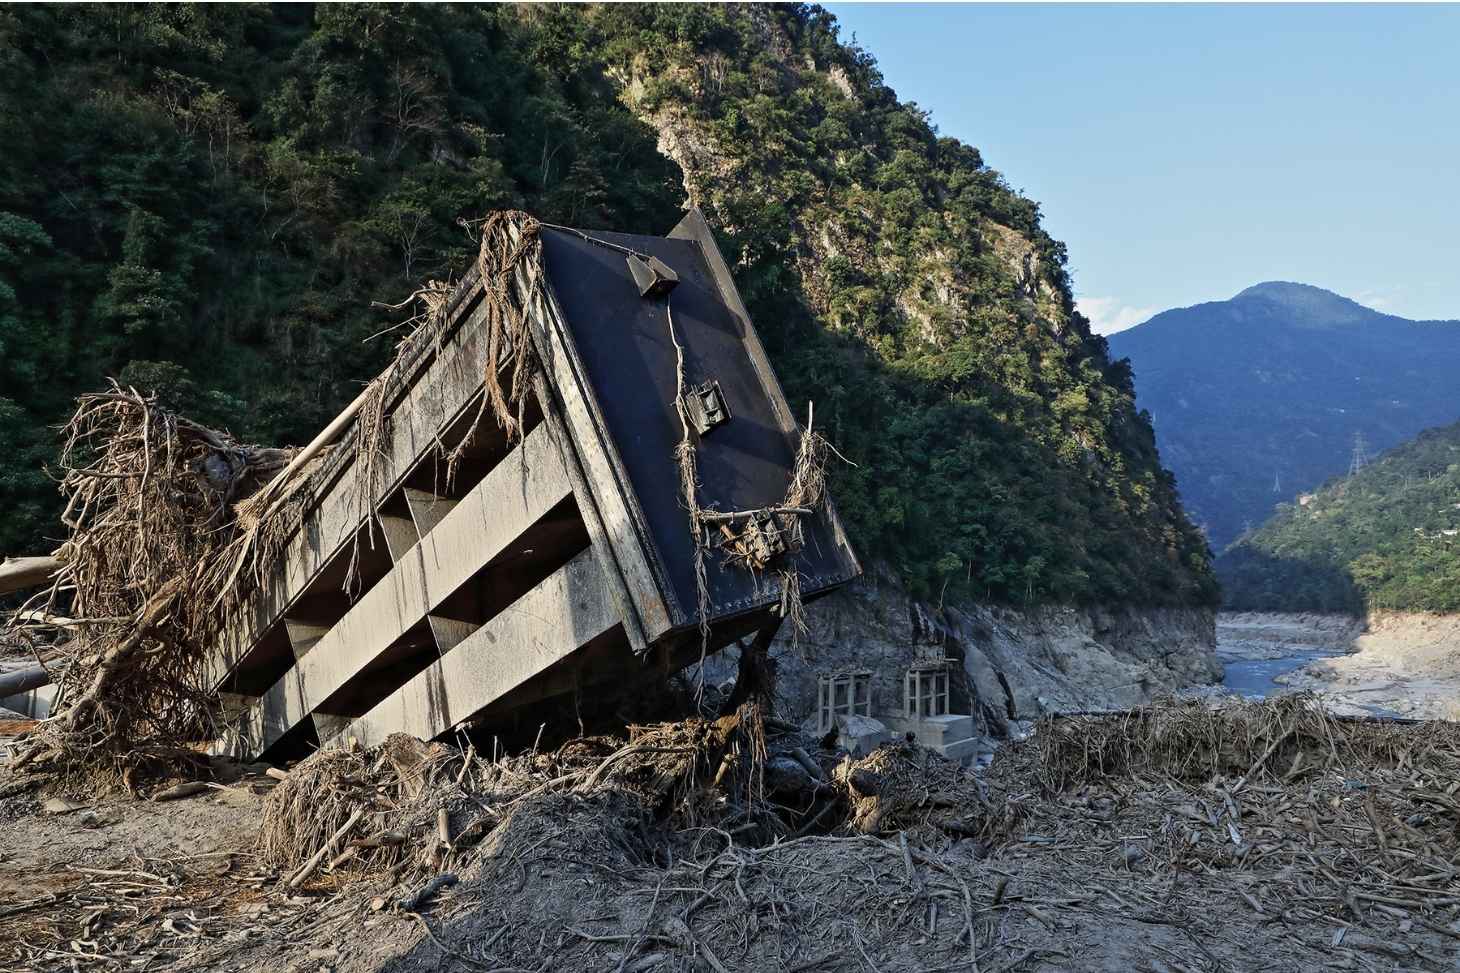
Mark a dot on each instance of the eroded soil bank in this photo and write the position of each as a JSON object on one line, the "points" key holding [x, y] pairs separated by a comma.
{"points": [[1397, 664]]}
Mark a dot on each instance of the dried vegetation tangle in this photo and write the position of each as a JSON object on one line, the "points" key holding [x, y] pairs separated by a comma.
{"points": [[1335, 849], [153, 550]]}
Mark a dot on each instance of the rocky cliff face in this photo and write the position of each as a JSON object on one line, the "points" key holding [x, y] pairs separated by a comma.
{"points": [[905, 289], [1012, 665]]}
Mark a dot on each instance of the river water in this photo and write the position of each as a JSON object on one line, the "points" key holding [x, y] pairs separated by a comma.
{"points": [[1254, 677]]}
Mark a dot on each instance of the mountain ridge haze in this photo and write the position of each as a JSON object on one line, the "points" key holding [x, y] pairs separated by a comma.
{"points": [[1268, 393]]}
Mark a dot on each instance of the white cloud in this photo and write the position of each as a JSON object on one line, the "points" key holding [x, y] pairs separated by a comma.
{"points": [[1108, 315], [1378, 300]]}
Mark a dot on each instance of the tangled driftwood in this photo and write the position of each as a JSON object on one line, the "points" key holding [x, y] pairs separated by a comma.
{"points": [[1195, 740], [149, 498]]}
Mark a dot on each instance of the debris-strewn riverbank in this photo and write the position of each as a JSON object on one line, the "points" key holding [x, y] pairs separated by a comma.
{"points": [[1401, 664], [1185, 837], [1406, 664]]}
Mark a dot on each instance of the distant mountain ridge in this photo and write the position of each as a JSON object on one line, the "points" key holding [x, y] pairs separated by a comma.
{"points": [[1258, 398], [1314, 305]]}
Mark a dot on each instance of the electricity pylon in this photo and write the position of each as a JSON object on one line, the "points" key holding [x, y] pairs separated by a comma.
{"points": [[1361, 454]]}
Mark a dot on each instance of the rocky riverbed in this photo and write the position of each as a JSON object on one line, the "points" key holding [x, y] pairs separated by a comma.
{"points": [[1395, 664]]}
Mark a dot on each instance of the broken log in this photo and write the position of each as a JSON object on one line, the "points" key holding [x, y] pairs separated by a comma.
{"points": [[23, 680], [308, 868], [116, 658], [186, 789], [755, 678], [326, 437], [19, 573]]}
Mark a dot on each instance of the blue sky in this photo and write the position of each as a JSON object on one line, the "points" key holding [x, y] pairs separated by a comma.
{"points": [[1186, 152]]}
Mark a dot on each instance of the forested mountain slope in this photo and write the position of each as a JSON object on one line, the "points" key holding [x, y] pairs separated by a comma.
{"points": [[206, 199], [1387, 537], [1260, 397]]}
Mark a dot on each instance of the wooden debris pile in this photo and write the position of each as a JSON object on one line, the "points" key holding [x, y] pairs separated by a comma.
{"points": [[1197, 740], [902, 787], [412, 809], [153, 548], [353, 810], [1337, 833]]}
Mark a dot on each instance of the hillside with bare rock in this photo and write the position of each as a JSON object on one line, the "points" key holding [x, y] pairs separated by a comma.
{"points": [[206, 200]]}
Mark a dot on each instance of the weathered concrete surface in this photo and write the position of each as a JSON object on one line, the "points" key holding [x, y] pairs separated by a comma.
{"points": [[567, 610], [1016, 664]]}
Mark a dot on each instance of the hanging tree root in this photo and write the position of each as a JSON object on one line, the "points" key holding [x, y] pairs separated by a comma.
{"points": [[152, 538]]}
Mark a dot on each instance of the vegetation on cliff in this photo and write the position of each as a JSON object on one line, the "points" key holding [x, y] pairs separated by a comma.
{"points": [[1387, 537], [205, 199]]}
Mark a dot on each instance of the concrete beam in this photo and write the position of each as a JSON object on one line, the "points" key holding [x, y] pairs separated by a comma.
{"points": [[427, 509], [566, 611], [514, 496]]}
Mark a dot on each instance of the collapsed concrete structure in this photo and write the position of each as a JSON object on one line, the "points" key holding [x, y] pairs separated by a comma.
{"points": [[845, 700], [421, 598]]}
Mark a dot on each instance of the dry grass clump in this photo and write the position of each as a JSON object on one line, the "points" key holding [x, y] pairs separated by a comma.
{"points": [[1196, 741], [605, 827], [1187, 740], [663, 763], [367, 809], [414, 808]]}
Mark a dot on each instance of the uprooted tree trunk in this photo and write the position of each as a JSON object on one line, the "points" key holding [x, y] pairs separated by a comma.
{"points": [[133, 604], [755, 677]]}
